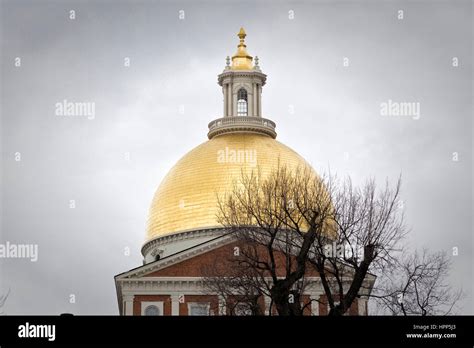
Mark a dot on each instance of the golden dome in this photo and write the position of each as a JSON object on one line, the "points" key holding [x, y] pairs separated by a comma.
{"points": [[242, 60], [187, 197]]}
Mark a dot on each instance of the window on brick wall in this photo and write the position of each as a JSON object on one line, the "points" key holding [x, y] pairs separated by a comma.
{"points": [[198, 309], [152, 310], [242, 309]]}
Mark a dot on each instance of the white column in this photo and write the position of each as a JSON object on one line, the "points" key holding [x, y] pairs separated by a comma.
{"points": [[259, 93], [362, 306], [267, 301], [229, 99], [224, 93], [250, 104], [234, 103], [315, 305], [222, 306], [128, 304], [255, 100], [174, 305]]}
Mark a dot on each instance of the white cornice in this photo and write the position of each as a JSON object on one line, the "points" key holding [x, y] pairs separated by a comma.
{"points": [[176, 258], [183, 235], [163, 285], [231, 74]]}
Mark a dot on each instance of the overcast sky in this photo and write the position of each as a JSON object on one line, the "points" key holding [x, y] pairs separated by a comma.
{"points": [[158, 108]]}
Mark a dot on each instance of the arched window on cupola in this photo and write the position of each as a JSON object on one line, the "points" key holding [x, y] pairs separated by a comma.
{"points": [[242, 108]]}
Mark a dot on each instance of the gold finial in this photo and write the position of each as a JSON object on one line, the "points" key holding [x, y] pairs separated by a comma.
{"points": [[242, 34], [242, 60]]}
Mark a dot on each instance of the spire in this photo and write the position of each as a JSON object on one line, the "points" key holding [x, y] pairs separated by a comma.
{"points": [[242, 60]]}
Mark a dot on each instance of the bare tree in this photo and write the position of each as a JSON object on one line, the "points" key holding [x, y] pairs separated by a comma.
{"points": [[292, 224], [275, 239], [417, 285], [368, 230]]}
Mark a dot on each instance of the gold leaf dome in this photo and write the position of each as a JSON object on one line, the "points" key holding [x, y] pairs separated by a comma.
{"points": [[187, 198]]}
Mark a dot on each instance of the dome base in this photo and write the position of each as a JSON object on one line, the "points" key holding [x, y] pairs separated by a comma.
{"points": [[233, 124]]}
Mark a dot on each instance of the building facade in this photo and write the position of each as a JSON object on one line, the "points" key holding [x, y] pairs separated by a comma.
{"points": [[183, 234]]}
